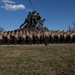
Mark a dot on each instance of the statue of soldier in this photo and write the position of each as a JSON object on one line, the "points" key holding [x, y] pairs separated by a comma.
{"points": [[41, 22], [29, 19], [34, 19]]}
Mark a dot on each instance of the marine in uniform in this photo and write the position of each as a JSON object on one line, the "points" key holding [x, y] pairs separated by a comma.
{"points": [[8, 38], [73, 37], [34, 37], [68, 37], [30, 37], [27, 37], [38, 37], [23, 36], [16, 37], [4, 37], [12, 37], [46, 37], [62, 37], [1, 38]]}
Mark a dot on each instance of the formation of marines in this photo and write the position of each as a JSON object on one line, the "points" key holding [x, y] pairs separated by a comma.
{"points": [[33, 32], [36, 37]]}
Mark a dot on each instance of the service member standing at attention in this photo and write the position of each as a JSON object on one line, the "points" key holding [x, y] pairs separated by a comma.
{"points": [[19, 37], [12, 37], [16, 37], [27, 37], [23, 36], [30, 37], [8, 38], [46, 37], [73, 37], [4, 37], [1, 38], [38, 37]]}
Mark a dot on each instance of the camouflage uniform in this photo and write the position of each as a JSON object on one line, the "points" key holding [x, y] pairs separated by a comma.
{"points": [[34, 37], [68, 37], [19, 37], [58, 34], [52, 37], [8, 38], [46, 37], [38, 37], [5, 38], [49, 36], [41, 37], [1, 38], [73, 37], [23, 36], [12, 37], [55, 38], [61, 37], [30, 38], [27, 37], [16, 38]]}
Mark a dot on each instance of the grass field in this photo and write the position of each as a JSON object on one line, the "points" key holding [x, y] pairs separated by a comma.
{"points": [[57, 59]]}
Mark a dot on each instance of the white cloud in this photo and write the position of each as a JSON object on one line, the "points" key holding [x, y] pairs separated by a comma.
{"points": [[11, 6], [7, 1]]}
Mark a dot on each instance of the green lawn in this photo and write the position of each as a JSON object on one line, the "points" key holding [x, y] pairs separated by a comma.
{"points": [[54, 59]]}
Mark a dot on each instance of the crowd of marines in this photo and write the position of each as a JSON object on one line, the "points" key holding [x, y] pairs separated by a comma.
{"points": [[36, 37]]}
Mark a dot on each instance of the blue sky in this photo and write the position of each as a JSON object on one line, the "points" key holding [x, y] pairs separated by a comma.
{"points": [[59, 14]]}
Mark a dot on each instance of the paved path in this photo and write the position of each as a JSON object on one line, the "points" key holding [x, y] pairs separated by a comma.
{"points": [[36, 45]]}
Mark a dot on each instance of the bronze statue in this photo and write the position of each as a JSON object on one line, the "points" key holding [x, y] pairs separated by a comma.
{"points": [[33, 20]]}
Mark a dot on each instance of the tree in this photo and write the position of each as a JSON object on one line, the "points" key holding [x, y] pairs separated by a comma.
{"points": [[1, 29]]}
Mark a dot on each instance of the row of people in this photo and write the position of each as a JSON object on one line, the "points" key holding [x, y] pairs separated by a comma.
{"points": [[36, 37]]}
